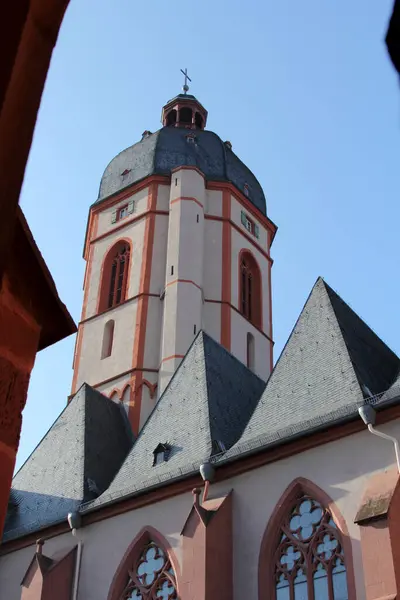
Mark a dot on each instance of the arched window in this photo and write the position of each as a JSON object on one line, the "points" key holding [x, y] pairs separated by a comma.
{"points": [[250, 351], [198, 119], [108, 336], [171, 117], [185, 115], [250, 289], [151, 576], [305, 553], [115, 276], [146, 572]]}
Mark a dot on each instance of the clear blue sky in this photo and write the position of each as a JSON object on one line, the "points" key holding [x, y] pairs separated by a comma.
{"points": [[303, 90]]}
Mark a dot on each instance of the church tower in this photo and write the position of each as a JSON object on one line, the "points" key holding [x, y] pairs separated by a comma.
{"points": [[177, 241]]}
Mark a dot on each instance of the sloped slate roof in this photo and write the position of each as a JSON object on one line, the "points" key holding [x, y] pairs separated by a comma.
{"points": [[330, 360], [210, 398], [167, 149], [80, 453], [324, 373]]}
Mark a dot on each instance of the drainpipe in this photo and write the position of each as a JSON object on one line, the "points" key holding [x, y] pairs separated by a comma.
{"points": [[74, 520], [368, 415]]}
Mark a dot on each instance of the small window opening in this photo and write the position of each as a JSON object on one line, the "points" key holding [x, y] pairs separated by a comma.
{"points": [[191, 139], [108, 338], [171, 117], [176, 181], [198, 120], [246, 190], [185, 115], [122, 212], [197, 218], [161, 454], [250, 351], [249, 225], [172, 269], [194, 329]]}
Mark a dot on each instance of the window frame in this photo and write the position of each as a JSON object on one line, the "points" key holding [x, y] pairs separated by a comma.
{"points": [[250, 289], [121, 209], [273, 536], [114, 283]]}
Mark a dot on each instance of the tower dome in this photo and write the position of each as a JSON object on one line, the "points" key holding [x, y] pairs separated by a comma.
{"points": [[177, 242], [181, 142]]}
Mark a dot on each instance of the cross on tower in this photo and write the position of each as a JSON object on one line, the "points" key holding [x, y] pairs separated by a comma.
{"points": [[187, 78]]}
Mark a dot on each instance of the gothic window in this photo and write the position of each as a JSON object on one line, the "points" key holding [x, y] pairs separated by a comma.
{"points": [[115, 276], [309, 561], [250, 289], [151, 576], [116, 293], [185, 115]]}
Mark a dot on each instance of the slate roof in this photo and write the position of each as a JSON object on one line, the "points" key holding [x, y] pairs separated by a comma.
{"points": [[167, 149], [210, 398], [331, 362], [80, 454]]}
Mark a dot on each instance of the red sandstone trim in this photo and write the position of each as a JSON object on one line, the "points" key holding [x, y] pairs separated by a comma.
{"points": [[127, 301], [183, 281], [257, 292], [103, 290], [242, 315], [243, 232], [187, 168], [127, 222], [226, 280], [271, 337], [266, 587], [188, 199], [131, 555], [172, 357], [246, 203], [141, 316], [79, 336]]}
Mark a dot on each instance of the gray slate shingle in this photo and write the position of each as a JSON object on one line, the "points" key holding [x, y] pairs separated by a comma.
{"points": [[87, 443], [167, 149], [210, 397], [329, 355]]}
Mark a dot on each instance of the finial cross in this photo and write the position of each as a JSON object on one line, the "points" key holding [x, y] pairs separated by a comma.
{"points": [[187, 78]]}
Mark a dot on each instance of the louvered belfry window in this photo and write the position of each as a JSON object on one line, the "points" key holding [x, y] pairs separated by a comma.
{"points": [[309, 562], [151, 576], [250, 289], [118, 276]]}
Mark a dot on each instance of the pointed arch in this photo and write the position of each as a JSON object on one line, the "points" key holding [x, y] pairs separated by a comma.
{"points": [[299, 490], [114, 277], [250, 288], [168, 574]]}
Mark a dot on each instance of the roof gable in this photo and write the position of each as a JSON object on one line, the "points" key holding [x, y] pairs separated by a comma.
{"points": [[210, 398], [86, 445], [319, 373]]}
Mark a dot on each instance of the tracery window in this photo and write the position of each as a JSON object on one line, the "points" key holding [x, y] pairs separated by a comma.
{"points": [[119, 270], [250, 289], [115, 276], [309, 562], [151, 576]]}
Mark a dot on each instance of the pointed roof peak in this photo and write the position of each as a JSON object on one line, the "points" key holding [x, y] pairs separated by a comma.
{"points": [[330, 363], [203, 411]]}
